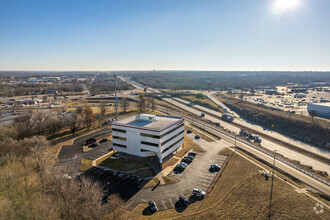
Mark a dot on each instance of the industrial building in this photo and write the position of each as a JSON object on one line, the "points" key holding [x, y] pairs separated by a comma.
{"points": [[148, 137], [320, 109]]}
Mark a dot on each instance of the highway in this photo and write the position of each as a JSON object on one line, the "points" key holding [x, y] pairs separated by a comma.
{"points": [[316, 184], [265, 143]]}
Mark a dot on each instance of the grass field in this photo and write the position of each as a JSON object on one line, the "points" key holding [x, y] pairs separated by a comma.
{"points": [[201, 101], [242, 193]]}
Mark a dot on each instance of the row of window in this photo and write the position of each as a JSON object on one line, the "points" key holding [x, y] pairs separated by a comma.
{"points": [[119, 138], [118, 130], [150, 144], [119, 145], [169, 147], [168, 140]]}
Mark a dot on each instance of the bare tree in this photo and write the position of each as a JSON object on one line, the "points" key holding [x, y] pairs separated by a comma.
{"points": [[124, 104], [103, 108], [141, 104], [74, 121], [88, 117], [153, 104], [54, 124]]}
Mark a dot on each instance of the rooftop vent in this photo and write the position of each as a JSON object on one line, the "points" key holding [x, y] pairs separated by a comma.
{"points": [[146, 117]]}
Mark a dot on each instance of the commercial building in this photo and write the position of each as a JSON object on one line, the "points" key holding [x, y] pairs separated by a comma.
{"points": [[148, 137], [320, 109]]}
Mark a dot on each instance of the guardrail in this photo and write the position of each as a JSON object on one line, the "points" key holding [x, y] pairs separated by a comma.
{"points": [[260, 149]]}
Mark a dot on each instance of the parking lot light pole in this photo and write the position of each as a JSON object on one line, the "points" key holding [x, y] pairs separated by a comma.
{"points": [[271, 189]]}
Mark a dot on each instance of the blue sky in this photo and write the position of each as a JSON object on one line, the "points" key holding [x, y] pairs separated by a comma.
{"points": [[163, 35]]}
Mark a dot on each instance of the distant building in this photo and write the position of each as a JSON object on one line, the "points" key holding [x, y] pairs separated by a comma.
{"points": [[270, 91], [52, 92], [148, 137], [282, 90], [321, 109]]}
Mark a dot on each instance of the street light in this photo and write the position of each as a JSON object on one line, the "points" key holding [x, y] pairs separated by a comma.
{"points": [[115, 78]]}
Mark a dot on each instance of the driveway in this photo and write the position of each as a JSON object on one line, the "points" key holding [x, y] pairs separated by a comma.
{"points": [[196, 175]]}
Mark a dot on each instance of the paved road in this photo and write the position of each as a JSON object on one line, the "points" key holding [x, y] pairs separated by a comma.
{"points": [[241, 121], [69, 157], [195, 175], [265, 143]]}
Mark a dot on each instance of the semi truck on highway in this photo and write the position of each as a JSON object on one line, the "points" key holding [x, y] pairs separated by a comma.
{"points": [[227, 117], [249, 136]]}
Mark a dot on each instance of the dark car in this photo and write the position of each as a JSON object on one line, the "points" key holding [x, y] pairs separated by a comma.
{"points": [[125, 178], [189, 131], [90, 141], [152, 206], [217, 124], [197, 137], [138, 180], [95, 144], [120, 176], [179, 168], [184, 201], [104, 140], [192, 153], [190, 157], [215, 167], [185, 160]]}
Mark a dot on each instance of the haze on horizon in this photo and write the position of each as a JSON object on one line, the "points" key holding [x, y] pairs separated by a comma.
{"points": [[254, 35]]}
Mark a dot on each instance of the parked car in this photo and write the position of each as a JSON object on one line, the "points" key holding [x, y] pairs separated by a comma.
{"points": [[120, 176], [202, 115], [179, 168], [186, 160], [217, 124], [95, 144], [183, 201], [183, 164], [104, 140], [189, 131], [153, 206], [126, 177], [192, 153], [89, 141], [138, 180], [215, 167], [198, 192], [197, 137], [190, 157]]}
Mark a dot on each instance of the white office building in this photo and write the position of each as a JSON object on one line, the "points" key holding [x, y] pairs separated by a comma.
{"points": [[148, 137]]}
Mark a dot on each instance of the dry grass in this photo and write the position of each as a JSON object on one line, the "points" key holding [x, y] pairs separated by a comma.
{"points": [[85, 164], [168, 179], [226, 152], [152, 182], [205, 100], [242, 193]]}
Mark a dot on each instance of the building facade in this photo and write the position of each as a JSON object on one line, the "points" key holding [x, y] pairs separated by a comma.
{"points": [[148, 137]]}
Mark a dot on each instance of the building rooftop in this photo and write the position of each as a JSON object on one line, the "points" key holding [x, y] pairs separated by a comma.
{"points": [[158, 122], [321, 104]]}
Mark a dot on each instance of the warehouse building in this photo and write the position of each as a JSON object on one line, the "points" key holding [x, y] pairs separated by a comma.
{"points": [[319, 109], [148, 137]]}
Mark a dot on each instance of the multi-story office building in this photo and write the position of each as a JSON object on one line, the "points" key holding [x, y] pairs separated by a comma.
{"points": [[148, 137]]}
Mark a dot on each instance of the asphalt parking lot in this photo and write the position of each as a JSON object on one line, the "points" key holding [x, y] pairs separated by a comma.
{"points": [[196, 175], [125, 189]]}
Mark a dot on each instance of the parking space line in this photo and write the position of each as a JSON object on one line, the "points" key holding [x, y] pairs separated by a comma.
{"points": [[171, 203], [130, 204], [164, 204]]}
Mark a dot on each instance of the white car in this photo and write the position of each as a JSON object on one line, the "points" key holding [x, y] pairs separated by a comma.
{"points": [[198, 192]]}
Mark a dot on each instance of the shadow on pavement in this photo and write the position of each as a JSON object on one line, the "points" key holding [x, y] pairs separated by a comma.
{"points": [[178, 207], [192, 199]]}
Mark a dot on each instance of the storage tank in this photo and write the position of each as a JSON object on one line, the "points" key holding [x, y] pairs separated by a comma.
{"points": [[321, 109]]}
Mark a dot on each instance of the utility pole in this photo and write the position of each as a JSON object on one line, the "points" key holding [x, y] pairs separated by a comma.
{"points": [[271, 189], [115, 77]]}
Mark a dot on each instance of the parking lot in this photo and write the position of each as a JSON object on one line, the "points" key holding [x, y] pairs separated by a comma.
{"points": [[196, 175], [124, 184]]}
